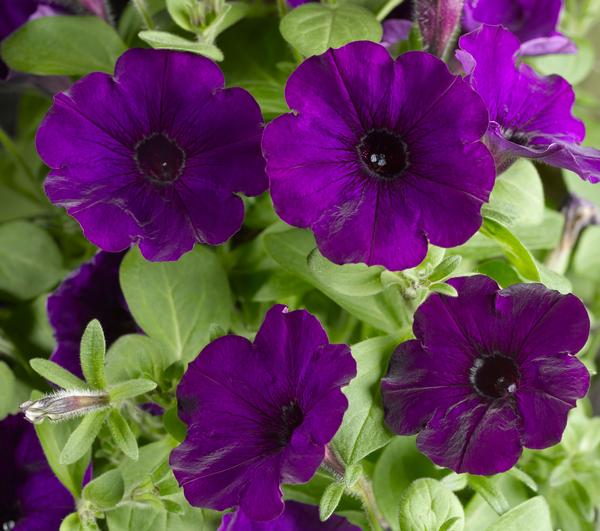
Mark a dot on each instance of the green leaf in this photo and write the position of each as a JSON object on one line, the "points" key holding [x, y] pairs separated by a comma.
{"points": [[63, 45], [347, 279], [81, 440], [573, 67], [444, 289], [105, 491], [93, 349], [586, 260], [518, 195], [313, 28], [169, 41], [290, 249], [56, 374], [231, 13], [71, 523], [135, 356], [27, 270], [427, 505], [173, 424], [330, 500], [53, 437], [524, 478], [515, 251], [532, 515], [400, 464], [181, 11], [490, 492], [130, 388], [7, 384], [502, 272], [176, 302], [445, 268], [122, 435], [362, 430]]}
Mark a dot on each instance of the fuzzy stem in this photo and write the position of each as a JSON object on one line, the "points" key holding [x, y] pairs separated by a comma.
{"points": [[365, 491]]}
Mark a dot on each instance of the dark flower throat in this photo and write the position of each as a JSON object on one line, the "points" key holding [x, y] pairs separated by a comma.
{"points": [[159, 159], [290, 417], [383, 154], [495, 376]]}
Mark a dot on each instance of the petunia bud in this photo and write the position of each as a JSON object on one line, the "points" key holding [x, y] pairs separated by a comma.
{"points": [[438, 21], [64, 405]]}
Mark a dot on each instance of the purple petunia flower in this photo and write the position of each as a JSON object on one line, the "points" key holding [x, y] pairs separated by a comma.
{"points": [[296, 517], [91, 292], [534, 22], [154, 155], [395, 31], [530, 115], [31, 497], [378, 164], [260, 414], [489, 372]]}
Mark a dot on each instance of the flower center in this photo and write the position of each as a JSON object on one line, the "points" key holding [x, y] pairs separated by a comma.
{"points": [[495, 376], [291, 416], [159, 159], [383, 154], [518, 137]]}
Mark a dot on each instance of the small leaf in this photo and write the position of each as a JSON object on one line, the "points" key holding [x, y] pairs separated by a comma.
{"points": [[524, 478], [122, 435], [532, 515], [173, 424], [83, 437], [313, 28], [443, 289], [427, 505], [56, 374], [455, 481], [165, 40], [130, 388], [64, 46], [93, 349], [501, 271], [352, 475], [515, 251], [71, 523], [445, 268], [105, 491], [181, 12], [487, 488], [330, 500]]}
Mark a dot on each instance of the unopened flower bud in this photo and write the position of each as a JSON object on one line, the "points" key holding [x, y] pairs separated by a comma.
{"points": [[438, 21], [64, 405]]}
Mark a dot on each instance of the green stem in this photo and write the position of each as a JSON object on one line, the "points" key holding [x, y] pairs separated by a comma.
{"points": [[142, 9], [364, 490], [387, 8]]}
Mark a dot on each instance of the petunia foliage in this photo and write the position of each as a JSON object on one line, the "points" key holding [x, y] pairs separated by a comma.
{"points": [[299, 265]]}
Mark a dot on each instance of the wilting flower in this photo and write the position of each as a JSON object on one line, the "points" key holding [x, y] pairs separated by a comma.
{"points": [[378, 164], [64, 405], [91, 292], [154, 155], [534, 22], [31, 498], [260, 414], [438, 22], [489, 372], [530, 115], [296, 517]]}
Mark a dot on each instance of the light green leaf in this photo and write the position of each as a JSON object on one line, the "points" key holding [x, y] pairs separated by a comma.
{"points": [[532, 515], [130, 388], [173, 424], [135, 356], [81, 440], [488, 488], [53, 437], [105, 491], [181, 11], [122, 435], [313, 28], [445, 268], [176, 302], [518, 194], [63, 45], [427, 505], [362, 430], [515, 251], [27, 270], [573, 67], [347, 279], [169, 41], [443, 289], [400, 464], [586, 260], [290, 249], [7, 384], [56, 374], [330, 500], [502, 272], [93, 349], [231, 13], [71, 523]]}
